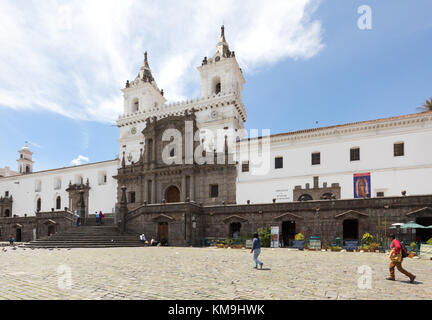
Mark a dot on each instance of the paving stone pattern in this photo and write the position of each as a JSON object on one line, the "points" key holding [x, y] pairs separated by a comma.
{"points": [[202, 273]]}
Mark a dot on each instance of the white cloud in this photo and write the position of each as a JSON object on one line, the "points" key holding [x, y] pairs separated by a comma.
{"points": [[73, 57], [80, 160]]}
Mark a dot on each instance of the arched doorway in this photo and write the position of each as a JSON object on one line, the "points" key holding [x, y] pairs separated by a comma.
{"points": [[351, 229], [173, 194], [18, 235], [288, 232], [51, 231], [163, 233], [7, 213], [235, 229]]}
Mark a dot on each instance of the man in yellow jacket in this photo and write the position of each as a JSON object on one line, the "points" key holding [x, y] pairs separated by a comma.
{"points": [[396, 259]]}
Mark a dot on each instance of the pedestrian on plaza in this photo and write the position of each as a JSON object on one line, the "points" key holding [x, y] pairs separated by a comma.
{"points": [[256, 250], [396, 259], [11, 240], [143, 238], [101, 216], [97, 217], [78, 223]]}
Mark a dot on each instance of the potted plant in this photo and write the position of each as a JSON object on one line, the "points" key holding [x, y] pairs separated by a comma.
{"points": [[367, 238], [373, 246], [336, 249], [365, 248], [299, 242]]}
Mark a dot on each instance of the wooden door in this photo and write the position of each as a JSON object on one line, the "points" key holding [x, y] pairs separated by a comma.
{"points": [[163, 232]]}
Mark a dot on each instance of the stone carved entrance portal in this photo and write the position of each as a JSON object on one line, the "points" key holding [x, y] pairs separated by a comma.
{"points": [[172, 194], [163, 232], [351, 229]]}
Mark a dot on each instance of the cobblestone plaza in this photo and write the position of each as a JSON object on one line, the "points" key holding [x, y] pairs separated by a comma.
{"points": [[202, 274]]}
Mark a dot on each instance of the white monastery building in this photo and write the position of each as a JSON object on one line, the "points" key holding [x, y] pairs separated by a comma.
{"points": [[377, 158]]}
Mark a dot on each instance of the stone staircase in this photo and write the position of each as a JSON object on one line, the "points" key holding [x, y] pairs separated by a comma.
{"points": [[88, 236]]}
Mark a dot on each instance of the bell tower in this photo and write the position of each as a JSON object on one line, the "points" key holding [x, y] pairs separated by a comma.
{"points": [[221, 73], [141, 97], [25, 162]]}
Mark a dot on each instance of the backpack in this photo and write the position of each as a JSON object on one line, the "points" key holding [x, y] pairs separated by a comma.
{"points": [[403, 250]]}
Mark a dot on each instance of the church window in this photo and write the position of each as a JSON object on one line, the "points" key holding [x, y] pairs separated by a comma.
{"points": [[218, 88], [38, 186], [102, 178], [6, 194], [58, 203], [38, 205], [135, 105], [355, 154], [172, 152], [27, 169], [279, 163], [245, 166], [316, 158], [214, 191], [399, 149], [132, 198], [57, 183], [79, 179]]}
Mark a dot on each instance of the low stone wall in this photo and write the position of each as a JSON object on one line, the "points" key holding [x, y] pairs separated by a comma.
{"points": [[27, 228], [323, 218]]}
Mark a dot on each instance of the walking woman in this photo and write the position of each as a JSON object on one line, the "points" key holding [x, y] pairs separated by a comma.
{"points": [[256, 250]]}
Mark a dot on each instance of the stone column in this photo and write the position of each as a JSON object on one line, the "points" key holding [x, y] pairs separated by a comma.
{"points": [[183, 189], [82, 208], [192, 187], [145, 198], [123, 210], [153, 195]]}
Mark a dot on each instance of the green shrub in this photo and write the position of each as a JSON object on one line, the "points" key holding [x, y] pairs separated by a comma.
{"points": [[413, 245], [265, 236], [335, 248], [429, 241]]}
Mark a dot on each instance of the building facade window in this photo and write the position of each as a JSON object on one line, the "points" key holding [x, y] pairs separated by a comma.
{"points": [[399, 149], [245, 166], [58, 203], [6, 194], [57, 183], [38, 186], [38, 205], [214, 191], [380, 194], [355, 154], [278, 163], [316, 158], [132, 198], [102, 178]]}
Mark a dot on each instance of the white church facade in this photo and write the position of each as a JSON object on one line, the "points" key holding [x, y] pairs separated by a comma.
{"points": [[378, 158]]}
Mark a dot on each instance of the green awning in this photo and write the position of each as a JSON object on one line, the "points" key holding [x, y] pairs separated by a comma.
{"points": [[412, 225]]}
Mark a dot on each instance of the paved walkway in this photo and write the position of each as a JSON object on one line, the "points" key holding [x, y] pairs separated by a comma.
{"points": [[210, 273]]}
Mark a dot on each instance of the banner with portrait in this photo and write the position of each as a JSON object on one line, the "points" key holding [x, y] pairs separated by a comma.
{"points": [[362, 185]]}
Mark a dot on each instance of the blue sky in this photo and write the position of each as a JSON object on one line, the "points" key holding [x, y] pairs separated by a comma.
{"points": [[64, 62]]}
